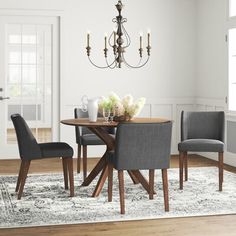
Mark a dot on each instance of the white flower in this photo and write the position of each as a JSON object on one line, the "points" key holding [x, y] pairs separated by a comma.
{"points": [[119, 109], [131, 110], [127, 101], [104, 103], [114, 97], [139, 105], [125, 106]]}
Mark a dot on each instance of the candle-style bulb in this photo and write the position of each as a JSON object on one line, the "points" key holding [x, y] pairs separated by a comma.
{"points": [[149, 39], [149, 36], [105, 41], [88, 38], [141, 39]]}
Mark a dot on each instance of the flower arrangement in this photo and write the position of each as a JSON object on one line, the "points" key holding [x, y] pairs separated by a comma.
{"points": [[124, 108]]}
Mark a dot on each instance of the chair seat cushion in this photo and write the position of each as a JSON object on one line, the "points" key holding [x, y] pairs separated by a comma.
{"points": [[92, 139], [56, 149], [201, 145]]}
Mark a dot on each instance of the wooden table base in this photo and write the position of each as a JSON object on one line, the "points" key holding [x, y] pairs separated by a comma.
{"points": [[95, 172], [102, 166]]}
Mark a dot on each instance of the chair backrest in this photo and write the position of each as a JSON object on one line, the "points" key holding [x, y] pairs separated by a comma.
{"points": [[142, 146], [202, 125], [78, 113], [28, 146]]}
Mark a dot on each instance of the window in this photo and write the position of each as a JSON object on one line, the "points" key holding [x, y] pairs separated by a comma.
{"points": [[29, 80], [232, 69], [232, 56], [232, 8]]}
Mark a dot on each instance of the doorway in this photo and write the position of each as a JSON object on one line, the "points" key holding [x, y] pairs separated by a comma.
{"points": [[29, 81]]}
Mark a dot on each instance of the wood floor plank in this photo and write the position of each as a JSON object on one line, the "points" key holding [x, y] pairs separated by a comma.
{"points": [[190, 226]]}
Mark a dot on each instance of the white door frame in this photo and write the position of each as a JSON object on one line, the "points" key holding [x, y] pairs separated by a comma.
{"points": [[57, 65]]}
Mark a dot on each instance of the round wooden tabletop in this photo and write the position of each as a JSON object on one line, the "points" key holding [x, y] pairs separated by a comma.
{"points": [[101, 123]]}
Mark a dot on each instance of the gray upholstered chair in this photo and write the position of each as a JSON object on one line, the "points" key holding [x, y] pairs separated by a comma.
{"points": [[30, 150], [85, 137], [201, 132], [140, 146]]}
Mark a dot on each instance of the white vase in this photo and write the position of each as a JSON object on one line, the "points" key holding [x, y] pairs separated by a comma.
{"points": [[90, 105]]}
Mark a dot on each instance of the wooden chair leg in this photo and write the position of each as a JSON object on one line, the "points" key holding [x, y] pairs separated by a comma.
{"points": [[19, 176], [121, 191], [181, 157], [151, 183], [165, 188], [65, 171], [78, 158], [186, 165], [85, 161], [221, 169], [110, 181], [25, 170], [71, 175]]}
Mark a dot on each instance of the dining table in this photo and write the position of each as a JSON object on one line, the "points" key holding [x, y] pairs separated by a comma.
{"points": [[99, 128]]}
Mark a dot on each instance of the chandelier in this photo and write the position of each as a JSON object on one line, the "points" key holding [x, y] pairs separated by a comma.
{"points": [[119, 41]]}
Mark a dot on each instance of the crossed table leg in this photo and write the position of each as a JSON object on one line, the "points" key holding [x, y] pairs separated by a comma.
{"points": [[102, 165]]}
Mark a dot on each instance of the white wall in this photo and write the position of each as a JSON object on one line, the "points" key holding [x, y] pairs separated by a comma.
{"points": [[211, 50], [168, 81]]}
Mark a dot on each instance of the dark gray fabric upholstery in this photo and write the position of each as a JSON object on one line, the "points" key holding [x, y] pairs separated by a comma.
{"points": [[83, 135], [91, 139], [201, 145], [78, 113], [202, 125], [142, 146], [29, 149], [28, 146], [56, 149], [202, 131]]}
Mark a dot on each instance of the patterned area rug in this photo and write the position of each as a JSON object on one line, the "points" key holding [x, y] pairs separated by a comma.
{"points": [[45, 202]]}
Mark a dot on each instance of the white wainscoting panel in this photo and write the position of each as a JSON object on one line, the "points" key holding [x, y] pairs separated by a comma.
{"points": [[146, 111]]}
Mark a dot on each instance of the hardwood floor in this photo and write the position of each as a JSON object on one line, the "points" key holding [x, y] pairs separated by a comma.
{"points": [[212, 225]]}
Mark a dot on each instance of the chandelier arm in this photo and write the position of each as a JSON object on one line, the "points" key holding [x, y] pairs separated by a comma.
{"points": [[110, 39], [136, 67], [100, 67], [140, 60], [124, 20], [114, 46], [127, 37], [110, 65], [114, 20]]}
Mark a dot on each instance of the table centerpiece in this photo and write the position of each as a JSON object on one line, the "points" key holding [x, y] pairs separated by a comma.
{"points": [[123, 109]]}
